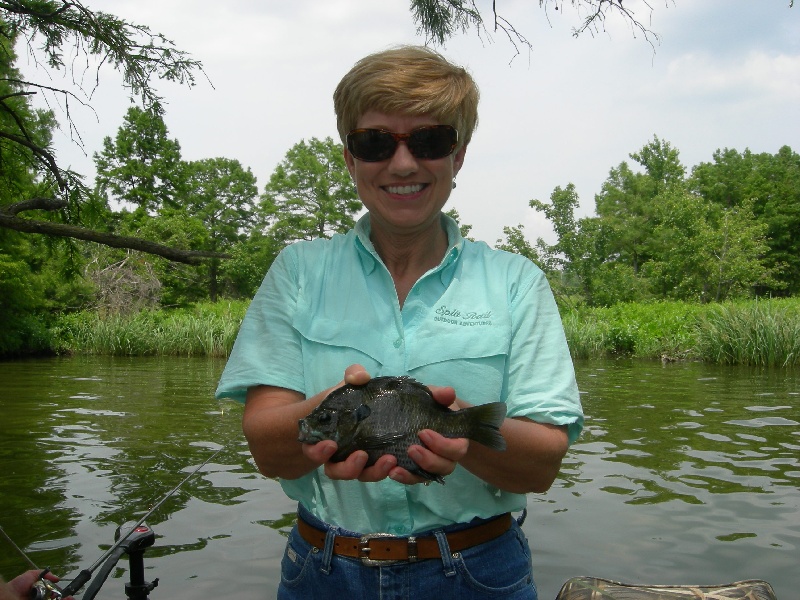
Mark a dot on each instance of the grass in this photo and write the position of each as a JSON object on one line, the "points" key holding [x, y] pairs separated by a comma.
{"points": [[205, 330], [759, 332]]}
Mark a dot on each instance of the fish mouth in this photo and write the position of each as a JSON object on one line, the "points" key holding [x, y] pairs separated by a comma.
{"points": [[306, 434]]}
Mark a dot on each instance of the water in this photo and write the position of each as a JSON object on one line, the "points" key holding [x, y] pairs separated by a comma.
{"points": [[686, 473]]}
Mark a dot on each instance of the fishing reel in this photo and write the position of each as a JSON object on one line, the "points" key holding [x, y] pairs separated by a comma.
{"points": [[44, 589]]}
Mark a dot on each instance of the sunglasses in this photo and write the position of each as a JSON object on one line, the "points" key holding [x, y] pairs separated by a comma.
{"points": [[430, 143]]}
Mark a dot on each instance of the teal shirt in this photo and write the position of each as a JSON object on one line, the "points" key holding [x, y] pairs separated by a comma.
{"points": [[484, 322]]}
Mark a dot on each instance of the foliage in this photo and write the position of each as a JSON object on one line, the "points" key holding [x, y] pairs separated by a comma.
{"points": [[204, 330], [762, 333], [463, 228], [660, 330], [221, 194], [704, 252], [755, 332], [141, 166], [310, 193], [440, 20], [770, 186], [655, 238]]}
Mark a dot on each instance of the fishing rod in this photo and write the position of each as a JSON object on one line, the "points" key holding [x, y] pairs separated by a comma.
{"points": [[135, 539]]}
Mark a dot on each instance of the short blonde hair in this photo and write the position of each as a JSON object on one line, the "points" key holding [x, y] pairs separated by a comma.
{"points": [[408, 80]]}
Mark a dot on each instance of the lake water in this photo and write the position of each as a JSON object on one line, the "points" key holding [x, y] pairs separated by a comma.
{"points": [[686, 473]]}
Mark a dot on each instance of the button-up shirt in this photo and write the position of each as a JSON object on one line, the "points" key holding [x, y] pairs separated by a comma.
{"points": [[483, 321]]}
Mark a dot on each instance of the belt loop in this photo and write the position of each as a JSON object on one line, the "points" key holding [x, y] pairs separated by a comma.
{"points": [[522, 517], [444, 550], [327, 551]]}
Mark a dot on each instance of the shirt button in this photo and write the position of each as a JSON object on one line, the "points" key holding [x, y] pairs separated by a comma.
{"points": [[398, 342]]}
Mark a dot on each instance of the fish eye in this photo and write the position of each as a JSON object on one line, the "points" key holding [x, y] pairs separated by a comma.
{"points": [[324, 417]]}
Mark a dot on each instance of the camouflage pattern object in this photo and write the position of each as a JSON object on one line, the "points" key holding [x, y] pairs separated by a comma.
{"points": [[595, 588]]}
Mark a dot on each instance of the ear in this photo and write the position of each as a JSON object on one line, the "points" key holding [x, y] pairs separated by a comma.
{"points": [[458, 159], [350, 162]]}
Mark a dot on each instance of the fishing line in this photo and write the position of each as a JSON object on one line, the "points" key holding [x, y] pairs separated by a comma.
{"points": [[86, 574]]}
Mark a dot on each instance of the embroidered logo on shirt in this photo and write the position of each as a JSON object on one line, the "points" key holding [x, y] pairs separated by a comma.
{"points": [[464, 318]]}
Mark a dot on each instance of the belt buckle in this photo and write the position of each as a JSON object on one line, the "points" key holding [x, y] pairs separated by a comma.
{"points": [[364, 550]]}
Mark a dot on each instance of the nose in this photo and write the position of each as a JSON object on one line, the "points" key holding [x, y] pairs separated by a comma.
{"points": [[402, 161]]}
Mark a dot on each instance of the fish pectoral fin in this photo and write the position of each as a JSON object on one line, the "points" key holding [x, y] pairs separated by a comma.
{"points": [[376, 442], [362, 412]]}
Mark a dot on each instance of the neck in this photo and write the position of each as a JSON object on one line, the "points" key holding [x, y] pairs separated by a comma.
{"points": [[409, 256]]}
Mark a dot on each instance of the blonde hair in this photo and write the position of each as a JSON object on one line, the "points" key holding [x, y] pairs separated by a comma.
{"points": [[408, 80]]}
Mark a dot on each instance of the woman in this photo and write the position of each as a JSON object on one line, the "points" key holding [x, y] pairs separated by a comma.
{"points": [[404, 294]]}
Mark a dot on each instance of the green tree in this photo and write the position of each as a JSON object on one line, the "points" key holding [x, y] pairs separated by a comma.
{"points": [[59, 34], [772, 182], [222, 195], [310, 193], [514, 241], [626, 201], [141, 165], [706, 252]]}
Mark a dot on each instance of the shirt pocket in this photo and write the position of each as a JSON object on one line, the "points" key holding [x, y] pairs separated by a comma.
{"points": [[472, 358], [329, 346]]}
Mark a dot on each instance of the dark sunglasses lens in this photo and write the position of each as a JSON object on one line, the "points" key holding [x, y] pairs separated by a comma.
{"points": [[371, 145], [432, 142]]}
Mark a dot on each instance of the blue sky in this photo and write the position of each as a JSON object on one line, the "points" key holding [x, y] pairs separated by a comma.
{"points": [[723, 73]]}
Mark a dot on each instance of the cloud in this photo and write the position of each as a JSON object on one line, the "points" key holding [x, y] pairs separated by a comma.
{"points": [[759, 75]]}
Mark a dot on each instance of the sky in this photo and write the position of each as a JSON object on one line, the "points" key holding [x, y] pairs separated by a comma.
{"points": [[721, 74]]}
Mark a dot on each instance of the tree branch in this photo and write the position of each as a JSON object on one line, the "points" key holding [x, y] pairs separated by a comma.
{"points": [[191, 257], [10, 220]]}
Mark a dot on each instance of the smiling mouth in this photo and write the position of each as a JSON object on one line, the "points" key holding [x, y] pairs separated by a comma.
{"points": [[405, 190]]}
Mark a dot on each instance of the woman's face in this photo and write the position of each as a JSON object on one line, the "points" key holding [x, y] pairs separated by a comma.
{"points": [[403, 194]]}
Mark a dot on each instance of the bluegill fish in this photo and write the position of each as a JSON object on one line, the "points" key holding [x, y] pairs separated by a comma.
{"points": [[384, 416]]}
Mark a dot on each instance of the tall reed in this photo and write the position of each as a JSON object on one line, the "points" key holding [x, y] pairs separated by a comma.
{"points": [[764, 333], [205, 330]]}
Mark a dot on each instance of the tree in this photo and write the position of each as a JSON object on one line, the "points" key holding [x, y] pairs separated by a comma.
{"points": [[706, 252], [772, 182], [222, 195], [55, 33], [141, 165], [439, 20], [310, 193], [626, 201]]}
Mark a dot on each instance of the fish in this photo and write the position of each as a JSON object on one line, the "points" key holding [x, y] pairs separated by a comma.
{"points": [[384, 416]]}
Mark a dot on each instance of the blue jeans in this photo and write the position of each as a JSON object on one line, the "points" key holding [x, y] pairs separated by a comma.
{"points": [[499, 568]]}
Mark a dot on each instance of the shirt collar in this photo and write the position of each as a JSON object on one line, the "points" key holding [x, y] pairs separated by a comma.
{"points": [[370, 258]]}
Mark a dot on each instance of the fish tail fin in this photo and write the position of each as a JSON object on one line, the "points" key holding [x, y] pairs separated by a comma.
{"points": [[485, 421]]}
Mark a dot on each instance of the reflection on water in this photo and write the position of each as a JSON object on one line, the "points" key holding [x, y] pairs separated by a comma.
{"points": [[685, 473]]}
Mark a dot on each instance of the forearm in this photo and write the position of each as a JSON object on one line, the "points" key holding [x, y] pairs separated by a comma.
{"points": [[270, 426], [530, 462]]}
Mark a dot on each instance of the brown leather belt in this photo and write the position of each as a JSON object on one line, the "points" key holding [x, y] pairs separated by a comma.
{"points": [[384, 548]]}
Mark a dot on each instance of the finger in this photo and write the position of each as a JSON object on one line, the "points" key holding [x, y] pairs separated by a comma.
{"points": [[380, 470], [401, 475], [452, 449], [444, 395], [321, 452], [356, 375], [431, 462], [350, 468]]}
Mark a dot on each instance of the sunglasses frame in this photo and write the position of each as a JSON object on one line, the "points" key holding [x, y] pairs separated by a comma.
{"points": [[408, 138]]}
